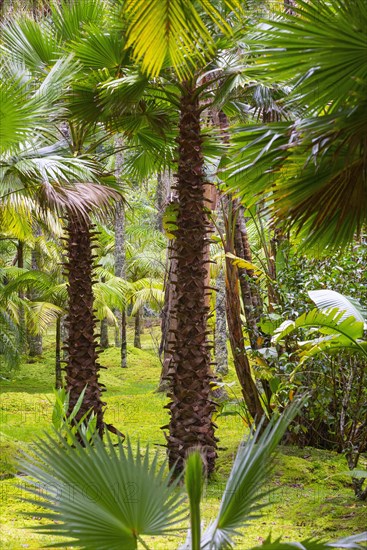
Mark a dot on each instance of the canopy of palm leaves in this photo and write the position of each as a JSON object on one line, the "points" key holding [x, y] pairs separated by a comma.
{"points": [[314, 169]]}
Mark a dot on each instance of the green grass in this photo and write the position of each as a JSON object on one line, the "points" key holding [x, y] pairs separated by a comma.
{"points": [[313, 498]]}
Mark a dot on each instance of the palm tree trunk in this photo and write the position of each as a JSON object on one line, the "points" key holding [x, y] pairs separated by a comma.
{"points": [[168, 324], [240, 359], [104, 334], [82, 368], [221, 353], [190, 407], [35, 340], [245, 281], [22, 323], [257, 304], [163, 185], [250, 295], [64, 337], [58, 375], [120, 334], [137, 329], [236, 338]]}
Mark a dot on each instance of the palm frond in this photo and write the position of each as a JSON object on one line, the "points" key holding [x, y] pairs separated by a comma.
{"points": [[11, 340], [100, 48], [320, 47], [352, 542], [177, 30], [30, 42], [330, 322], [120, 497], [71, 18], [152, 294], [40, 315], [312, 171], [326, 299], [240, 502], [112, 294]]}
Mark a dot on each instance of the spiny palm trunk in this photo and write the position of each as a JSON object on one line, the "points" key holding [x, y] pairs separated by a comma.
{"points": [[168, 320], [246, 282], [82, 368], [250, 296], [190, 407], [221, 354]]}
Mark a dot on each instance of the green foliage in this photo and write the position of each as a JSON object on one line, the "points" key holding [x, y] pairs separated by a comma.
{"points": [[121, 496], [66, 425], [315, 166], [194, 487], [178, 31], [340, 331], [313, 496]]}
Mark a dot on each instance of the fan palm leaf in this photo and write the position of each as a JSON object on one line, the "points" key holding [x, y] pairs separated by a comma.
{"points": [[175, 30], [240, 501], [315, 167], [120, 497]]}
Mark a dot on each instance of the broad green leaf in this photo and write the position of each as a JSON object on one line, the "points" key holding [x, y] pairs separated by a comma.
{"points": [[326, 299], [328, 322]]}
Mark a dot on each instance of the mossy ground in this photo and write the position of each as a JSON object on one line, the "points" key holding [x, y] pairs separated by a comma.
{"points": [[313, 497]]}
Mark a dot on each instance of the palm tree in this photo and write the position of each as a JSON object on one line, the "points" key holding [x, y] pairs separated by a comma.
{"points": [[315, 166], [191, 407], [23, 39]]}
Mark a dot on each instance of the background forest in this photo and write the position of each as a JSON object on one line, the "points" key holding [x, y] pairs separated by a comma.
{"points": [[183, 200]]}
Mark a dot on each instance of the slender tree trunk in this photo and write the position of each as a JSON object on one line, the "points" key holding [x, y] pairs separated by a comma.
{"points": [[257, 304], [104, 334], [22, 323], [35, 340], [163, 186], [250, 296], [58, 375], [240, 359], [64, 337], [233, 304], [169, 321], [82, 368], [245, 285], [120, 270], [191, 407], [137, 329], [221, 353]]}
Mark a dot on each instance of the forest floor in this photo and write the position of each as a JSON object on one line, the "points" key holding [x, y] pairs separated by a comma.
{"points": [[314, 496]]}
